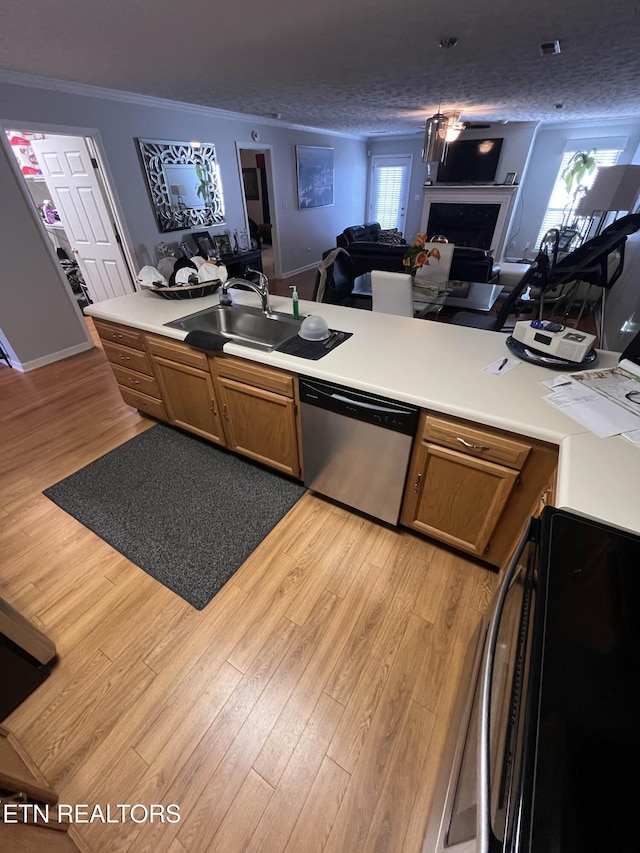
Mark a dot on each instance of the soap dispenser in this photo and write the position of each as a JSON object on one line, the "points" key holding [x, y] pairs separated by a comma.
{"points": [[294, 296]]}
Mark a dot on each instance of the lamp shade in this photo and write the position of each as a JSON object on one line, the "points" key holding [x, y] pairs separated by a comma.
{"points": [[614, 188], [435, 139]]}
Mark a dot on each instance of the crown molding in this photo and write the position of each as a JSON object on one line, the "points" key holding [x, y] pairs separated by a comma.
{"points": [[36, 81]]}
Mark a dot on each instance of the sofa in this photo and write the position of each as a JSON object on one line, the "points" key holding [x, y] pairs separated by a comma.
{"points": [[368, 252]]}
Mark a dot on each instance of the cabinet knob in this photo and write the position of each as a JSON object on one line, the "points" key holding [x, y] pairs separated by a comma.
{"points": [[416, 485], [224, 411], [472, 446], [213, 408], [125, 358]]}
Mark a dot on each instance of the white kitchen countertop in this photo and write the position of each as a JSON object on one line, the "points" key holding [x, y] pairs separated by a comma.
{"points": [[436, 366]]}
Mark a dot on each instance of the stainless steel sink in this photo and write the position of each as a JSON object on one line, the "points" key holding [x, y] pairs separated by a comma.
{"points": [[242, 325]]}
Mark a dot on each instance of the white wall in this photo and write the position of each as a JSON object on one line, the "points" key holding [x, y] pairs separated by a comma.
{"points": [[303, 234], [549, 145], [39, 318], [517, 137]]}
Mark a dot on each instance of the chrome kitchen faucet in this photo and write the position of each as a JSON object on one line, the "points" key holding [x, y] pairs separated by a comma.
{"points": [[261, 287]]}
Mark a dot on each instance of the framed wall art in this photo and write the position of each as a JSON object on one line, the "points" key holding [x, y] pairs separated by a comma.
{"points": [[315, 171], [184, 183], [250, 181]]}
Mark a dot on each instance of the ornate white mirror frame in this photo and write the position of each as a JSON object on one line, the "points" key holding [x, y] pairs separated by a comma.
{"points": [[184, 183]]}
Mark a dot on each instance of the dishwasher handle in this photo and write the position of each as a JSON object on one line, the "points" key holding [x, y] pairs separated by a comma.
{"points": [[361, 405], [351, 401]]}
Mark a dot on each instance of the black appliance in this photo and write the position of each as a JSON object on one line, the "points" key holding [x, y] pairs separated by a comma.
{"points": [[26, 658], [470, 161], [544, 747]]}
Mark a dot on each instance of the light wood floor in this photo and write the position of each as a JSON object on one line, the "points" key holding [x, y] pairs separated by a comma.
{"points": [[303, 710]]}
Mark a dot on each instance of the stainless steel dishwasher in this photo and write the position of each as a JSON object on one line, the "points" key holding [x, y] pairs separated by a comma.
{"points": [[356, 446]]}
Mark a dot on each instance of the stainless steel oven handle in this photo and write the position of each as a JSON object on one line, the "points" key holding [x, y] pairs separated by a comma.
{"points": [[486, 677]]}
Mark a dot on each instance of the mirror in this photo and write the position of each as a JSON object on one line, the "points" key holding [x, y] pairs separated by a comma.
{"points": [[184, 183]]}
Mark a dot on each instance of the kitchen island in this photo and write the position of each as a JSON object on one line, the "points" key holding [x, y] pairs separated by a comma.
{"points": [[438, 367], [311, 699]]}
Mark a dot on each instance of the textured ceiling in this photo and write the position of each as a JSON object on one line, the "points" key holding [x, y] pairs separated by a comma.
{"points": [[360, 67]]}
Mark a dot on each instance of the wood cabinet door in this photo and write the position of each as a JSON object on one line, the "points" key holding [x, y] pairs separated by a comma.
{"points": [[456, 498], [260, 424], [190, 399]]}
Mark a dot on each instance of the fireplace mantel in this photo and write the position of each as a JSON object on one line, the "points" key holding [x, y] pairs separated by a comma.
{"points": [[504, 196]]}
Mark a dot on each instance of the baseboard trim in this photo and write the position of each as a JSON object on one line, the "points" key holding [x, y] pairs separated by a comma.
{"points": [[300, 270], [25, 367]]}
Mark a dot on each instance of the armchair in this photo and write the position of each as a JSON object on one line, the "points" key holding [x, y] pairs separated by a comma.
{"points": [[335, 280]]}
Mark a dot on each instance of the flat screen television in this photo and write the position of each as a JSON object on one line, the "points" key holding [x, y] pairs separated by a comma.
{"points": [[470, 161]]}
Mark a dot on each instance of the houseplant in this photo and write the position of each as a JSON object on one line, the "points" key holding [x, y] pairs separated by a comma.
{"points": [[581, 164], [203, 188]]}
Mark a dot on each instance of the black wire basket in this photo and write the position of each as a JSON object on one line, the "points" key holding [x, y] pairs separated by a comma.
{"points": [[184, 291]]}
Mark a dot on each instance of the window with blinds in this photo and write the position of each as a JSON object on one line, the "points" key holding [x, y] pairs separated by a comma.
{"points": [[560, 199], [389, 190]]}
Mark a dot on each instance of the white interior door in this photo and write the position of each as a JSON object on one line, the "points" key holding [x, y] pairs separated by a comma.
{"points": [[70, 176], [389, 190]]}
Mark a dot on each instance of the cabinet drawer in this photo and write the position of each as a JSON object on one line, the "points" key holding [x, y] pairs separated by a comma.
{"points": [[475, 441], [177, 351], [127, 357], [256, 375], [137, 381], [150, 405], [120, 334]]}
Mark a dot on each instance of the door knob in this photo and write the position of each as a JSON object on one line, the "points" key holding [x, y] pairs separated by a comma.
{"points": [[74, 250]]}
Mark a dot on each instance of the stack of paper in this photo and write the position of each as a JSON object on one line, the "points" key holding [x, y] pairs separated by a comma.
{"points": [[607, 402]]}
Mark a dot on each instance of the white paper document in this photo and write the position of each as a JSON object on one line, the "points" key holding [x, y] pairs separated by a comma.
{"points": [[501, 366], [615, 384], [597, 413]]}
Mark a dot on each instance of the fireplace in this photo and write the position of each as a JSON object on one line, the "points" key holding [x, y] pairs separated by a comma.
{"points": [[464, 224], [476, 216]]}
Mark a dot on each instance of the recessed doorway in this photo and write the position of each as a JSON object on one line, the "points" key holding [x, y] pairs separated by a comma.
{"points": [[254, 163], [69, 189]]}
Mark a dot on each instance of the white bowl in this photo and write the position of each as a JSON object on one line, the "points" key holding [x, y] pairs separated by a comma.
{"points": [[314, 328], [208, 272]]}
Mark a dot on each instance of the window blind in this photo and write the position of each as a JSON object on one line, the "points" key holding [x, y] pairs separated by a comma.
{"points": [[388, 192], [560, 198]]}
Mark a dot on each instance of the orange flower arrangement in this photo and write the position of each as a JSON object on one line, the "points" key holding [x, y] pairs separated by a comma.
{"points": [[418, 256]]}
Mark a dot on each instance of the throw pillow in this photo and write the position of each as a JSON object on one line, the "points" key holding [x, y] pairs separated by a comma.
{"points": [[391, 237]]}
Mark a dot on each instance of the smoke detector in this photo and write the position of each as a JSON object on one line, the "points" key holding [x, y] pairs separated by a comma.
{"points": [[547, 48]]}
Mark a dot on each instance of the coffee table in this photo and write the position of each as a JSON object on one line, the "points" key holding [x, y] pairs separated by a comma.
{"points": [[429, 299], [480, 296]]}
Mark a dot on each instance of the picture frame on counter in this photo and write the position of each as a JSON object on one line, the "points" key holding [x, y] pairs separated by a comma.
{"points": [[223, 244], [205, 246]]}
